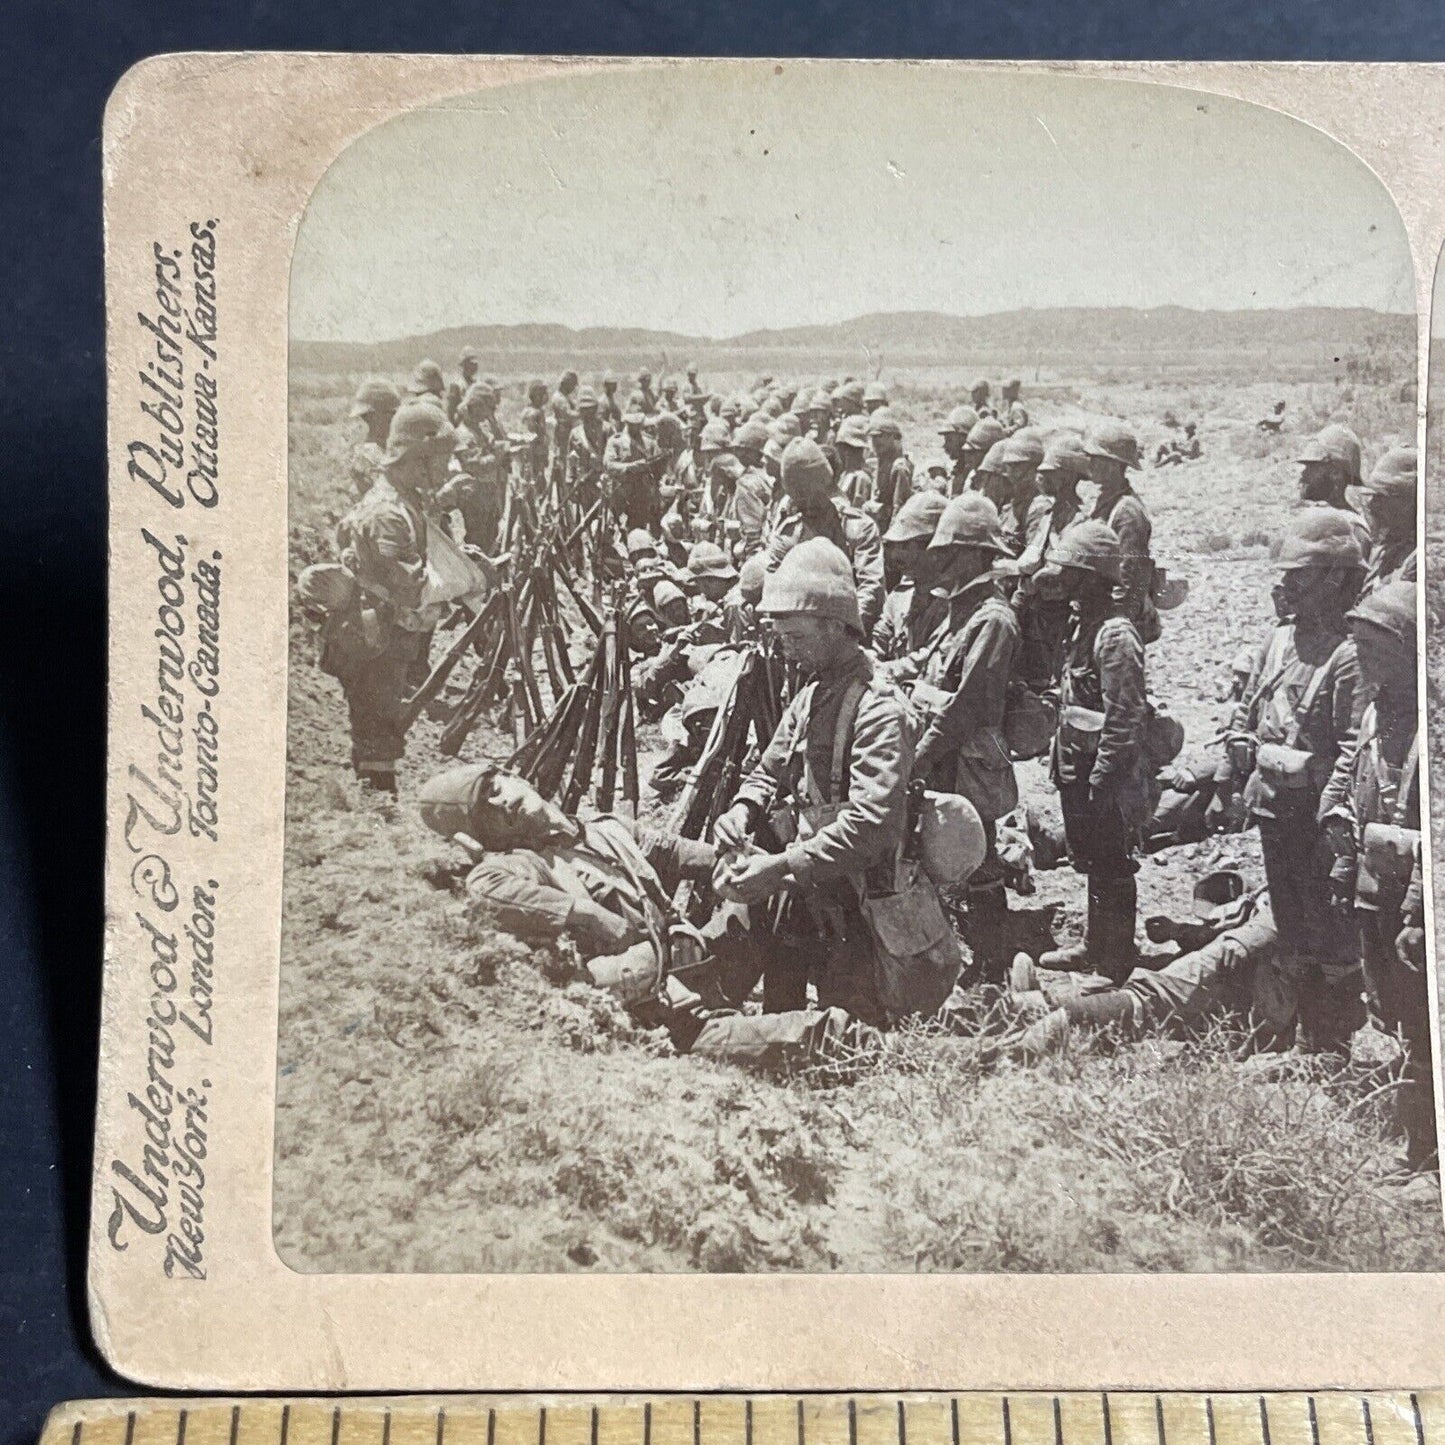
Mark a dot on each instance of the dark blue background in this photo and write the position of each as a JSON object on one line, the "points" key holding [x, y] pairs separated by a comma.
{"points": [[59, 62]]}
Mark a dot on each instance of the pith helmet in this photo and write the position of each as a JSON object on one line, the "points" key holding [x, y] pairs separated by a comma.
{"points": [[816, 578], [416, 428], [984, 434], [786, 427], [1395, 473], [883, 423], [1023, 448], [427, 377], [1012, 385], [537, 391], [1112, 439], [707, 559], [851, 392], [752, 434], [961, 421], [375, 396], [1066, 454], [480, 394], [1337, 444], [716, 435], [1391, 607], [995, 458], [979, 388], [586, 399], [969, 521], [468, 353], [1320, 537], [853, 432], [803, 461], [820, 401], [917, 519], [1090, 547], [641, 543], [875, 391]]}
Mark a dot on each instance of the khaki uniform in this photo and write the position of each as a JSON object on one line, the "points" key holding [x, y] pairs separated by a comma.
{"points": [[1014, 416], [1043, 619], [479, 490], [586, 450], [911, 615], [850, 531], [368, 465], [745, 513], [1301, 703], [632, 469], [1392, 561], [382, 543], [888, 491], [1124, 514], [534, 423]]}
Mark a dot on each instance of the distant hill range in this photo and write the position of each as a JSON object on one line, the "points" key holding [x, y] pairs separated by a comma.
{"points": [[1312, 340]]}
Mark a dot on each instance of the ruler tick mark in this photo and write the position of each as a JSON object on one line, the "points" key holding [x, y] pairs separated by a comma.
{"points": [[748, 1422], [386, 1428], [1008, 1426], [953, 1417], [336, 1425], [594, 1425], [1419, 1423], [1159, 1419], [801, 1440], [1369, 1423], [75, 1433], [491, 1427], [646, 1424], [852, 1421], [1314, 1423], [1209, 1418], [441, 1424], [697, 1422], [129, 1427], [541, 1427], [1264, 1421], [235, 1423], [1108, 1421], [902, 1426], [1058, 1422], [285, 1423], [181, 1427]]}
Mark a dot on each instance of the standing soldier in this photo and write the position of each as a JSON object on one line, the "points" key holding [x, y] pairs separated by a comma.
{"points": [[963, 693], [745, 515], [564, 418], [1026, 513], [1299, 713], [841, 760], [817, 510], [1043, 609], [893, 469], [978, 394], [633, 467], [469, 363], [670, 401], [375, 404], [609, 408], [692, 389], [875, 394], [1390, 511], [429, 385], [911, 614], [534, 424], [1371, 814], [848, 400], [1113, 452], [855, 481], [1012, 413], [982, 438], [954, 431], [645, 393], [1098, 762], [819, 417], [1329, 463], [382, 544], [585, 453], [478, 491]]}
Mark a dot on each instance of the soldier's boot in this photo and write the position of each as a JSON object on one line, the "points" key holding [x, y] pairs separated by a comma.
{"points": [[1082, 956], [1112, 1010], [1113, 952], [985, 927]]}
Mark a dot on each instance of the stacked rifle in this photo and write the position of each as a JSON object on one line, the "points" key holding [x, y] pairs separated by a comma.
{"points": [[592, 731]]}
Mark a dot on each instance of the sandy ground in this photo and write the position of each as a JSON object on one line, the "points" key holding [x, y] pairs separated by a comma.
{"points": [[450, 1100]]}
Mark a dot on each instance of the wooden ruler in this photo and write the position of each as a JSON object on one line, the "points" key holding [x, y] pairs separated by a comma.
{"points": [[1328, 1418]]}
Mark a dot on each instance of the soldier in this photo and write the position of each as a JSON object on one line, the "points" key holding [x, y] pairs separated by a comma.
{"points": [[978, 394], [911, 613], [564, 418], [382, 544], [875, 394], [478, 491], [982, 437], [375, 404], [1329, 463], [429, 385], [819, 417], [610, 408], [534, 424], [954, 431], [1012, 413], [632, 466], [1098, 760], [645, 393], [469, 363], [817, 510], [745, 516], [1371, 814], [990, 475], [962, 689], [586, 450], [841, 760], [693, 389], [1390, 511], [1026, 513], [740, 606], [1043, 610], [1113, 452], [892, 469], [1298, 715], [848, 400], [855, 481], [713, 487], [670, 401]]}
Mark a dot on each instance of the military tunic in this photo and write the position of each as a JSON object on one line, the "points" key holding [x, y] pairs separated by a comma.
{"points": [[850, 531]]}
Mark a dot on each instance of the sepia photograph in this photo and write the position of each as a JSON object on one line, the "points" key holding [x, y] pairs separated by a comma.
{"points": [[853, 687]]}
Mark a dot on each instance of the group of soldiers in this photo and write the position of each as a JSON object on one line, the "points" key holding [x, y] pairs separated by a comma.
{"points": [[941, 623]]}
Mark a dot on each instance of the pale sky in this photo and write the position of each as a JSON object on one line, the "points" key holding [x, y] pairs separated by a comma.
{"points": [[723, 197]]}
